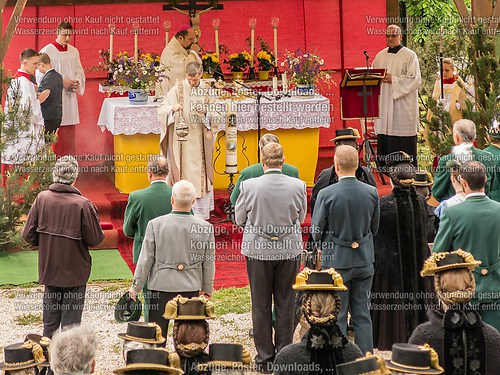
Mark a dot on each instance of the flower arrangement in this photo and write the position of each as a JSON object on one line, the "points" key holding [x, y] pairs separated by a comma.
{"points": [[304, 68], [143, 74], [238, 62], [265, 60], [210, 62]]}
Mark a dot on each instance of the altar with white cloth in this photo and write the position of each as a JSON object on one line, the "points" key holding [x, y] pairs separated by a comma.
{"points": [[294, 120]]}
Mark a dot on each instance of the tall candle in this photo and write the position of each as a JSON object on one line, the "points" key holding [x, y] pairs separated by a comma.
{"points": [[284, 82], [111, 35], [216, 25], [231, 140], [252, 22], [136, 41], [166, 26], [275, 83], [275, 21]]}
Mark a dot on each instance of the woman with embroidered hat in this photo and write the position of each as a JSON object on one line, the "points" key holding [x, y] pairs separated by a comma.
{"points": [[398, 293], [191, 331], [23, 359], [410, 359], [422, 183], [227, 359], [465, 344], [140, 335], [323, 346]]}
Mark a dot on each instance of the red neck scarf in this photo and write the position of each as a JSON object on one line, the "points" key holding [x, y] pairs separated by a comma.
{"points": [[449, 81], [20, 73], [60, 47]]}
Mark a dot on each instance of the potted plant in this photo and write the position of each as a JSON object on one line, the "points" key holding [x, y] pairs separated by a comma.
{"points": [[210, 64], [238, 63], [139, 77], [265, 59], [304, 69]]}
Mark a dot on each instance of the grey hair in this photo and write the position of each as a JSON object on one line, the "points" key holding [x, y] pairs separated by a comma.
{"points": [[272, 155], [65, 170], [465, 129], [184, 193], [134, 345], [158, 165], [193, 68], [267, 138], [72, 351]]}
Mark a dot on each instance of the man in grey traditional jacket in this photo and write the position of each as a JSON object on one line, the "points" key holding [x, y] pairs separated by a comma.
{"points": [[177, 256], [271, 208]]}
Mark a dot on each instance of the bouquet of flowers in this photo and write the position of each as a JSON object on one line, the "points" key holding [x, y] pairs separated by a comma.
{"points": [[210, 62], [238, 62], [143, 74], [265, 60], [304, 68]]}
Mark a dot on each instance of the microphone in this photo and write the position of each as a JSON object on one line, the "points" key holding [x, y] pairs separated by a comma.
{"points": [[366, 54]]}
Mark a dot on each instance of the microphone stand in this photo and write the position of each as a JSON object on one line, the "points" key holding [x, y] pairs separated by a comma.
{"points": [[258, 96]]}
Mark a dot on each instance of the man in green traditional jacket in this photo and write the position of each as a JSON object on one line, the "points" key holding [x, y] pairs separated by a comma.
{"points": [[146, 204], [473, 226], [464, 134], [255, 170], [494, 149]]}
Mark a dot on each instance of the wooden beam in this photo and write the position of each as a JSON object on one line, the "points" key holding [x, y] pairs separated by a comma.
{"points": [[11, 27], [89, 2], [464, 13], [495, 16]]}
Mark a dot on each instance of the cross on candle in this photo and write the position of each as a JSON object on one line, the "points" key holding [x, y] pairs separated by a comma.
{"points": [[166, 26], [252, 22], [275, 21]]}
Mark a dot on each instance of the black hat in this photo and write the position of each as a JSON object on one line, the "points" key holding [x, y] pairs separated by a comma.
{"points": [[226, 356], [44, 343], [149, 333], [370, 364], [414, 359], [396, 158], [439, 262], [127, 309], [151, 359], [347, 133], [328, 279], [422, 179], [22, 355], [196, 308]]}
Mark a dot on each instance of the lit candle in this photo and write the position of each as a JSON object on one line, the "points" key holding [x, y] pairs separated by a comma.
{"points": [[166, 26], [111, 34], [275, 83], [216, 25], [284, 82], [231, 140], [275, 22], [252, 23], [135, 26]]}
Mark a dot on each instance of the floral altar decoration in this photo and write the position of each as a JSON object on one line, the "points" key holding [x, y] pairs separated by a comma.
{"points": [[210, 63], [140, 75], [238, 63]]}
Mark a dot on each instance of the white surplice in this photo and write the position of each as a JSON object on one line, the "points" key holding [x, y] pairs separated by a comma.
{"points": [[399, 114], [68, 64]]}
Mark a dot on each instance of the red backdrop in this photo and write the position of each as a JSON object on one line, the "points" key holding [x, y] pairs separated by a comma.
{"points": [[339, 30]]}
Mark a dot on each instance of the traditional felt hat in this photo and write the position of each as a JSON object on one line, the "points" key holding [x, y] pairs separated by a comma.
{"points": [[396, 158], [422, 179], [225, 355], [149, 333], [127, 309], [44, 343], [196, 308], [328, 279], [157, 359], [22, 355], [439, 262], [494, 129], [414, 359], [347, 133], [369, 365]]}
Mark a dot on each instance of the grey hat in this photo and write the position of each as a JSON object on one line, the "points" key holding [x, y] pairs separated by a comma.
{"points": [[66, 170]]}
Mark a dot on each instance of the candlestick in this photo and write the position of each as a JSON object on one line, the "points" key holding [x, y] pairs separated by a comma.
{"points": [[216, 25], [231, 140], [166, 26], [284, 82], [252, 22], [135, 26], [275, 21], [111, 35]]}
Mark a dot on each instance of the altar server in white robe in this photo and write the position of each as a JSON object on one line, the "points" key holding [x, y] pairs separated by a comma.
{"points": [[180, 51], [22, 96], [399, 117], [66, 61], [191, 159]]}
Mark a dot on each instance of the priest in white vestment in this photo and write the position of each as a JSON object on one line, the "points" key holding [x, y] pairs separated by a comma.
{"points": [[181, 50], [65, 59], [22, 97], [397, 126], [190, 159]]}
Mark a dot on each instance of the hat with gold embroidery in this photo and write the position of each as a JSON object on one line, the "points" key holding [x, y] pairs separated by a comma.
{"points": [[226, 356], [414, 359], [347, 133], [422, 179], [196, 308], [369, 365], [327, 279], [44, 343], [127, 309], [157, 359], [149, 333], [439, 262], [22, 355]]}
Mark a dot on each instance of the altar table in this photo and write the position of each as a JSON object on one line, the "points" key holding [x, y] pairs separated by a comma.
{"points": [[294, 120]]}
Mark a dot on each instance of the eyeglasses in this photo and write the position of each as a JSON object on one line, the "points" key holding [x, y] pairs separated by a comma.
{"points": [[392, 35]]}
